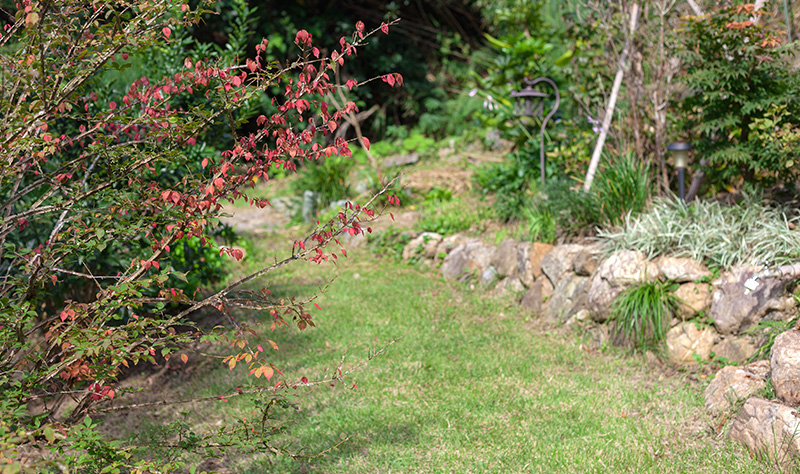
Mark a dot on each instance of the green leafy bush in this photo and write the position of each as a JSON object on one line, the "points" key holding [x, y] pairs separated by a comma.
{"points": [[622, 188], [452, 216], [642, 313], [326, 177], [743, 106], [723, 236]]}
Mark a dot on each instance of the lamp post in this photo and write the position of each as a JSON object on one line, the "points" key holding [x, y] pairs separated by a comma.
{"points": [[533, 105], [681, 152]]}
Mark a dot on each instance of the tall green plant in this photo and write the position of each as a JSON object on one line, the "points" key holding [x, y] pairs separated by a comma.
{"points": [[642, 313], [742, 108]]}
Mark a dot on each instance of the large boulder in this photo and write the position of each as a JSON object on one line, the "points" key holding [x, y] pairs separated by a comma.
{"points": [[695, 298], [569, 296], [685, 341], [768, 428], [468, 258], [682, 270], [735, 349], [424, 245], [537, 298], [734, 309], [785, 365], [732, 384], [616, 273], [560, 261], [505, 259]]}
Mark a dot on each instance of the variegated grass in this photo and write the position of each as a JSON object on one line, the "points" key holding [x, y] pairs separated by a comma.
{"points": [[723, 236]]}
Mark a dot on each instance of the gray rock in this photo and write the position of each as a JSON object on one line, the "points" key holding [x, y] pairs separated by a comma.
{"points": [[569, 296], [424, 245], [509, 287], [734, 311], [559, 261], [467, 258], [732, 384], [682, 270], [785, 366], [449, 243], [768, 428], [735, 349], [401, 160], [684, 341], [523, 257], [488, 277], [614, 274], [696, 297], [504, 258], [538, 296], [586, 262]]}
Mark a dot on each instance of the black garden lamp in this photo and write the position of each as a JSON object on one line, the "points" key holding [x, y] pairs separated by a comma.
{"points": [[531, 102], [680, 150]]}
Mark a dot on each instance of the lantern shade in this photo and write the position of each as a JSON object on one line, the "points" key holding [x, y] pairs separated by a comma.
{"points": [[681, 152]]}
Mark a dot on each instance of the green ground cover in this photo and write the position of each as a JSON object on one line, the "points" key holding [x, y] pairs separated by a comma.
{"points": [[473, 385]]}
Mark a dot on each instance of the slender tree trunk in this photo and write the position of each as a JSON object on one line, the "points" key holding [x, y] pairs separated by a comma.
{"points": [[612, 100]]}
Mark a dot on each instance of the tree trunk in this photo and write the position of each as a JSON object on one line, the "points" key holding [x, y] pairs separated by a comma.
{"points": [[612, 101]]}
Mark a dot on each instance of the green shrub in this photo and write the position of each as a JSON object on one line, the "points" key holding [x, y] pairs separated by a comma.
{"points": [[743, 106], [722, 236], [510, 181], [558, 208], [326, 177], [452, 216], [642, 313]]}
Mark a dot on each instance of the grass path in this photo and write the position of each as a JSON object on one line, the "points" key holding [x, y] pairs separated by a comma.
{"points": [[473, 386]]}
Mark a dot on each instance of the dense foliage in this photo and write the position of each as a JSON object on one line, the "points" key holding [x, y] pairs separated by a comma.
{"points": [[106, 189], [743, 103]]}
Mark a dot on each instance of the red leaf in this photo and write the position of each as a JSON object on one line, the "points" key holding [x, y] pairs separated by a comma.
{"points": [[303, 379], [389, 79], [366, 142], [385, 28], [112, 105], [332, 126], [166, 31], [315, 304], [301, 37], [184, 358]]}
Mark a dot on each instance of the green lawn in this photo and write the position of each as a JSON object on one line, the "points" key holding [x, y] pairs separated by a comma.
{"points": [[473, 386]]}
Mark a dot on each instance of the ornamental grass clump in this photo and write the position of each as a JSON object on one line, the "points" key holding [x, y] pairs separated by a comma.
{"points": [[723, 236], [642, 313]]}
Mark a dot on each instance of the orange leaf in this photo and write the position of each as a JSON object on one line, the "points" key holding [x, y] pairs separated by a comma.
{"points": [[184, 358]]}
